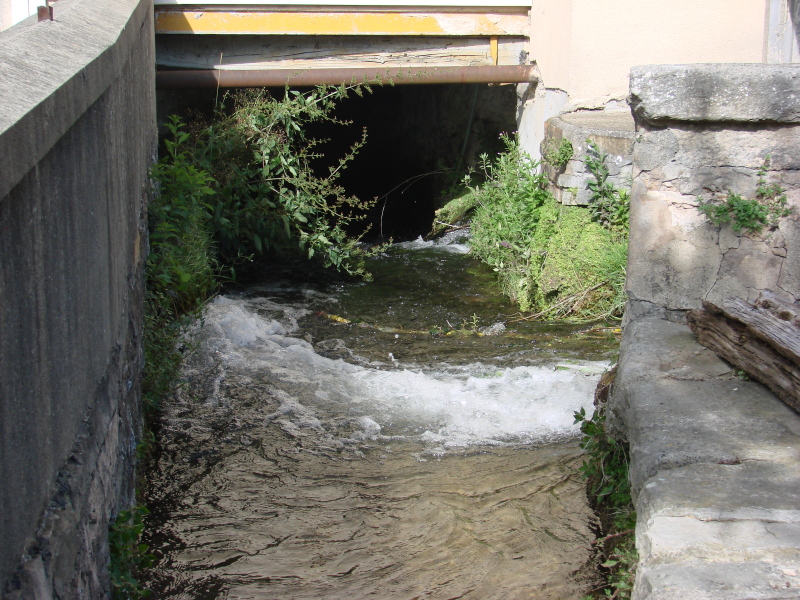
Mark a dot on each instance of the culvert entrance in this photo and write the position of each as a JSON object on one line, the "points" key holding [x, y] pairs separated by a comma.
{"points": [[420, 141]]}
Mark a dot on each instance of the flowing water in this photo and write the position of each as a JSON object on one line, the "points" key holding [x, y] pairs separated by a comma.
{"points": [[392, 439]]}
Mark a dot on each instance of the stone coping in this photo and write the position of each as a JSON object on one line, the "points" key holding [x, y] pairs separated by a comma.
{"points": [[607, 123], [721, 92]]}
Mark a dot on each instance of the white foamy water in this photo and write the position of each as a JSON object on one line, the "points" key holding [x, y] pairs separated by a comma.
{"points": [[443, 408], [446, 244]]}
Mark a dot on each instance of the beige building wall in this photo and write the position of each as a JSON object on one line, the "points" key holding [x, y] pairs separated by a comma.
{"points": [[584, 49], [587, 47]]}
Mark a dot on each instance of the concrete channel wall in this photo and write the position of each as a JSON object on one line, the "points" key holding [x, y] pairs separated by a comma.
{"points": [[77, 135], [714, 457]]}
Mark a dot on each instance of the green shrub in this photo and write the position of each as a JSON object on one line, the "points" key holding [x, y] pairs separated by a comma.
{"points": [[267, 200], [227, 191], [560, 262]]}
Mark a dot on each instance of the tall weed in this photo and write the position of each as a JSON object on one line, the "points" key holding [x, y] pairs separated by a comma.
{"points": [[504, 223], [267, 199], [234, 189]]}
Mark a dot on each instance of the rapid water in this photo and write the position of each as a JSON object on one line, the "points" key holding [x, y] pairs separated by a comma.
{"points": [[392, 439]]}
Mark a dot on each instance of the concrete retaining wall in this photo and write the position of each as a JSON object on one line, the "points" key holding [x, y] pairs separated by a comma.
{"points": [[77, 135], [714, 458]]}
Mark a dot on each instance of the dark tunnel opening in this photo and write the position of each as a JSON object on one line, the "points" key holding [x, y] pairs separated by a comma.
{"points": [[421, 140]]}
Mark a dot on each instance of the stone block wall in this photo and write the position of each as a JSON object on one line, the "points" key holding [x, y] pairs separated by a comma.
{"points": [[714, 458], [612, 131], [703, 131], [77, 137]]}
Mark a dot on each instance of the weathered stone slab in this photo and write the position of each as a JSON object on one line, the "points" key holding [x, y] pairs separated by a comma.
{"points": [[672, 423], [716, 92], [680, 405], [669, 539], [677, 258], [713, 470], [701, 580], [750, 490], [713, 458]]}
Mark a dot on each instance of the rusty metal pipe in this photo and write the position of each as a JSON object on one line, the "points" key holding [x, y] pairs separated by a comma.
{"points": [[228, 78]]}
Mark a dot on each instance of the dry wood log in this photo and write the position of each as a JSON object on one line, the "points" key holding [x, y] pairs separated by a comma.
{"points": [[763, 340]]}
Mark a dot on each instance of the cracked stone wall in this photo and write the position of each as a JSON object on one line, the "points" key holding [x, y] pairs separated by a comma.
{"points": [[703, 131]]}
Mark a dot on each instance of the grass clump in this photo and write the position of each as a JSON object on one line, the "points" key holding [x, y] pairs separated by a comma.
{"points": [[558, 262], [453, 214]]}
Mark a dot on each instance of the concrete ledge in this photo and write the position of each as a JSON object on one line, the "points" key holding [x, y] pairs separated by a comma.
{"points": [[713, 471], [52, 72], [716, 92]]}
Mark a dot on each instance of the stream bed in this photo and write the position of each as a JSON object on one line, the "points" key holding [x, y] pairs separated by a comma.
{"points": [[394, 439]]}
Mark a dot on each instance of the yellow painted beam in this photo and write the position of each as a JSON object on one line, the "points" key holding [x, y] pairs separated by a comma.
{"points": [[340, 23]]}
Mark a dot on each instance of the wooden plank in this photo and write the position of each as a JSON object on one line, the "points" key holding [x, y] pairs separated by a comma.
{"points": [[301, 22], [763, 340], [301, 52]]}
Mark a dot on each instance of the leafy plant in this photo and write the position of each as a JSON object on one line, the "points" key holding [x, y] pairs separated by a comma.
{"points": [[128, 555], [749, 214], [558, 154], [267, 198], [609, 206], [182, 271], [505, 220], [605, 469], [181, 267], [606, 465]]}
